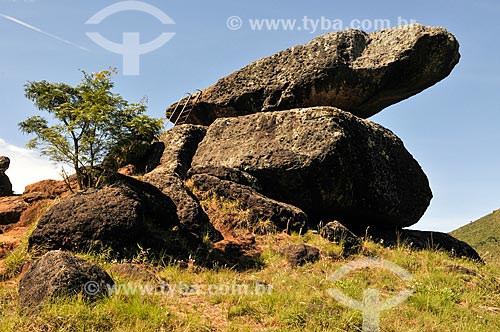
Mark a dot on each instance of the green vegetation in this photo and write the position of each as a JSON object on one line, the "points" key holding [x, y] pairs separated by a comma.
{"points": [[484, 236], [92, 129], [450, 295]]}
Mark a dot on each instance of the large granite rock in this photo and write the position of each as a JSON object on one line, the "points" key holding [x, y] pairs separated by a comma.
{"points": [[329, 163], [59, 273], [354, 71], [121, 216]]}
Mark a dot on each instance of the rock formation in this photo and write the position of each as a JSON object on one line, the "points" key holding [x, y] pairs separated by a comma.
{"points": [[59, 273], [11, 209], [5, 185], [328, 163], [287, 142], [121, 216], [354, 71]]}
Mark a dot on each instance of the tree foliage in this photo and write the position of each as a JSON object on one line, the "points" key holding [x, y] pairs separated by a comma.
{"points": [[92, 129]]}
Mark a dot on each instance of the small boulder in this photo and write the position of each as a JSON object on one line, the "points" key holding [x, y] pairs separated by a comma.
{"points": [[421, 240], [58, 273], [337, 233], [300, 254]]}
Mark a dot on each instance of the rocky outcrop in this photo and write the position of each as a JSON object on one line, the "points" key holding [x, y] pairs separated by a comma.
{"points": [[59, 273], [284, 217], [328, 163], [189, 211], [5, 184], [46, 189], [11, 209], [180, 144], [120, 216], [354, 71]]}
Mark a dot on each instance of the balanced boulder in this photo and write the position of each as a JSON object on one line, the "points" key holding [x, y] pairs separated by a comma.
{"points": [[327, 162], [352, 70]]}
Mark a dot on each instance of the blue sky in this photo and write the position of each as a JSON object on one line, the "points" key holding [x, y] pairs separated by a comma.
{"points": [[451, 128]]}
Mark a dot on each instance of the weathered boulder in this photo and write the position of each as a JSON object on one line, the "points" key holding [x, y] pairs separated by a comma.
{"points": [[190, 213], [354, 71], [337, 233], [120, 216], [300, 254], [58, 273], [426, 240], [180, 144], [259, 207], [329, 163], [11, 209]]}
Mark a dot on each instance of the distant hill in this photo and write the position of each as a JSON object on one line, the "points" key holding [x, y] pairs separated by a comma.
{"points": [[483, 235]]}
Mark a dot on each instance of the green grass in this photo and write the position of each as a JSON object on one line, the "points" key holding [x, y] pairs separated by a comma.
{"points": [[298, 301], [483, 235]]}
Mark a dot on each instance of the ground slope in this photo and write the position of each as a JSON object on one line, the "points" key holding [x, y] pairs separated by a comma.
{"points": [[483, 235]]}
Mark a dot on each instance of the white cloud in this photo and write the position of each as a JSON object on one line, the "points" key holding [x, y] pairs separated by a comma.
{"points": [[26, 166]]}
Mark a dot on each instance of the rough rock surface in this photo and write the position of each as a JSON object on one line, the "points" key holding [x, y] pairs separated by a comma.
{"points": [[329, 163], [354, 71], [120, 216], [190, 213], [11, 209], [261, 208], [4, 164], [5, 184], [46, 189], [58, 273], [337, 233], [300, 254], [180, 144], [427, 240]]}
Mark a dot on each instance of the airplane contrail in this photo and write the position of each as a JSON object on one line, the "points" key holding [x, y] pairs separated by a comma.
{"points": [[26, 25]]}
